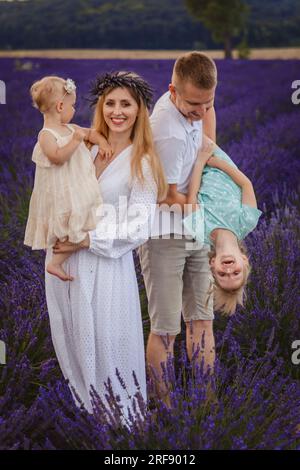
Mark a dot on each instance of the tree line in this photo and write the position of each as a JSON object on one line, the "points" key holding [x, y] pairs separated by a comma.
{"points": [[148, 24]]}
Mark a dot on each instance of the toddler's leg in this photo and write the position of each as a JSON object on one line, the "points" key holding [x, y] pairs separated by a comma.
{"points": [[55, 266]]}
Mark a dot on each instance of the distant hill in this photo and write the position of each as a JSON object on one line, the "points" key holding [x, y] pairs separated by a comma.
{"points": [[135, 24]]}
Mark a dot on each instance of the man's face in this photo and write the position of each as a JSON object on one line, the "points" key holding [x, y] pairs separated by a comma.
{"points": [[191, 101]]}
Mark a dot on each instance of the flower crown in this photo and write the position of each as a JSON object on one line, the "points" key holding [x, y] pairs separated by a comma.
{"points": [[122, 79], [69, 86]]}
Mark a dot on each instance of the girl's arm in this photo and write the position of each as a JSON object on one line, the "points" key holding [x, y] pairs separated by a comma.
{"points": [[203, 155], [96, 138], [248, 195], [59, 155]]}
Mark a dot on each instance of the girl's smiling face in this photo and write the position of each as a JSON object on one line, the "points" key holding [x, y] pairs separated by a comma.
{"points": [[229, 270], [120, 110]]}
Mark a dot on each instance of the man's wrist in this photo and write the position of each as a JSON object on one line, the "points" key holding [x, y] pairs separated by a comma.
{"points": [[191, 199]]}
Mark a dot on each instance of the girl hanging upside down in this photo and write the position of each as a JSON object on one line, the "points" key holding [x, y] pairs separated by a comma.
{"points": [[224, 212]]}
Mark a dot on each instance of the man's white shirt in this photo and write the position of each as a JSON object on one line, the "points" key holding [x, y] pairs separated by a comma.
{"points": [[176, 143]]}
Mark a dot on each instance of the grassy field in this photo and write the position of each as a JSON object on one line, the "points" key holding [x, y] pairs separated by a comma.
{"points": [[280, 53]]}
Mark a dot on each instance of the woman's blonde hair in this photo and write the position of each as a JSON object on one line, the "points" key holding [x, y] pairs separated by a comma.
{"points": [[46, 92], [226, 300], [142, 139]]}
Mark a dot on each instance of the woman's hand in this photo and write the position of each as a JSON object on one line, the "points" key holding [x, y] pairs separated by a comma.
{"points": [[68, 247]]}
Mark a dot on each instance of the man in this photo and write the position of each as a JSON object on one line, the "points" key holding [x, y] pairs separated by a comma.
{"points": [[177, 277]]}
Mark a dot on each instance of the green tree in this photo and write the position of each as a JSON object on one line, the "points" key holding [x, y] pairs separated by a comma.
{"points": [[225, 19]]}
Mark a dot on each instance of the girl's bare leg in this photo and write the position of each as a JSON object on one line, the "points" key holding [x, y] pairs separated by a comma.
{"points": [[55, 266]]}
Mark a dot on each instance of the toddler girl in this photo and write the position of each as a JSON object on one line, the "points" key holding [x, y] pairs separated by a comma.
{"points": [[66, 194]]}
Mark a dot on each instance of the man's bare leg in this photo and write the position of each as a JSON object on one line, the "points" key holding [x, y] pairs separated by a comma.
{"points": [[159, 350], [194, 340]]}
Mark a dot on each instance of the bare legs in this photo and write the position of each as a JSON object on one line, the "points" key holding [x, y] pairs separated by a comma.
{"points": [[200, 337], [159, 349], [55, 266]]}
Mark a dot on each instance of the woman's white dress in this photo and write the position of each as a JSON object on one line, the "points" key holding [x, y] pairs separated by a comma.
{"points": [[95, 320]]}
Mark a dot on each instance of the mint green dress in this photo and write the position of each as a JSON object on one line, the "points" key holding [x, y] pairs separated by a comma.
{"points": [[221, 206]]}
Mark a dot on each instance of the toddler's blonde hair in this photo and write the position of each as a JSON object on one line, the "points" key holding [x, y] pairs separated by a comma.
{"points": [[46, 92], [226, 300]]}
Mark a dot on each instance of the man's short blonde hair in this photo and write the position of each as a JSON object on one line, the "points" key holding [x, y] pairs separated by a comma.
{"points": [[196, 68]]}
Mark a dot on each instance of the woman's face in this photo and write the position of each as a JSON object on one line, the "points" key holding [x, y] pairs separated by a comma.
{"points": [[120, 110]]}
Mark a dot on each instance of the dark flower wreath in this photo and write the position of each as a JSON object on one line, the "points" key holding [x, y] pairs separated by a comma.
{"points": [[121, 79]]}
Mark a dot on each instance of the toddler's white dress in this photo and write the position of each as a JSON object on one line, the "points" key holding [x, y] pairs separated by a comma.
{"points": [[65, 198]]}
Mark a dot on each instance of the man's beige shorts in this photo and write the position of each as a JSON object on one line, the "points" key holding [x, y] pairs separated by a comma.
{"points": [[177, 279]]}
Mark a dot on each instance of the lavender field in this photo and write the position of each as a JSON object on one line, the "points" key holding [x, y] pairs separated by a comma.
{"points": [[257, 384]]}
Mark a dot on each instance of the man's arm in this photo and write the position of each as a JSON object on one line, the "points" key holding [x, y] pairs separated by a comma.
{"points": [[174, 197], [209, 124], [204, 153]]}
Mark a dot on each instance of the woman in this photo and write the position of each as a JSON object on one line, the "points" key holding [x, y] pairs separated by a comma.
{"points": [[95, 320]]}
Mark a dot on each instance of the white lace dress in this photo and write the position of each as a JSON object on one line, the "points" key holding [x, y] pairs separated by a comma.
{"points": [[65, 198], [95, 320]]}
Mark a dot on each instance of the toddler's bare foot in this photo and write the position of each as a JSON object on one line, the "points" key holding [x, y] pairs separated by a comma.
{"points": [[57, 270]]}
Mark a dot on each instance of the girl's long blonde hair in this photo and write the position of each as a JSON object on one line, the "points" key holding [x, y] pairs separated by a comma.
{"points": [[225, 300], [142, 139]]}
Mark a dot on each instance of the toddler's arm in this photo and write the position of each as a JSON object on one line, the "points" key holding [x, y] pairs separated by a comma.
{"points": [[204, 153], [248, 195], [105, 149], [59, 155], [96, 138]]}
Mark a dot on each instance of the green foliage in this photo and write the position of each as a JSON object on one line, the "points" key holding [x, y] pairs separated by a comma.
{"points": [[224, 19], [99, 24], [274, 23], [243, 50], [142, 24]]}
